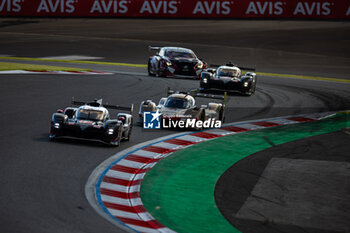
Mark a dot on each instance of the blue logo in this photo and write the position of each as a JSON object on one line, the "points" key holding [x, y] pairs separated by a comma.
{"points": [[151, 120]]}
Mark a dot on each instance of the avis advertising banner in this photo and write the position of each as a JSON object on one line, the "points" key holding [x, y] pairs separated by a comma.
{"points": [[313, 9]]}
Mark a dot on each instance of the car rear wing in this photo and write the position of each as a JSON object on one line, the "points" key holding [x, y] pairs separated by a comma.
{"points": [[118, 107], [98, 103], [211, 96], [230, 64], [247, 68], [195, 93], [154, 48]]}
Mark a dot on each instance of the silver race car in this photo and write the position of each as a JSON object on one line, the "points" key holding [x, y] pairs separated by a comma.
{"points": [[180, 106]]}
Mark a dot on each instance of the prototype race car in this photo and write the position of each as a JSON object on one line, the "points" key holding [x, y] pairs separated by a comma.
{"points": [[180, 106], [92, 121], [228, 78], [175, 62]]}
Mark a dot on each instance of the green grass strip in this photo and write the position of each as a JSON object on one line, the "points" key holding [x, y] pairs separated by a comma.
{"points": [[179, 190], [18, 66], [74, 61]]}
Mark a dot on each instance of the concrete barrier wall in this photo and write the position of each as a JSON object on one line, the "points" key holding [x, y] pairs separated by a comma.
{"points": [[292, 9]]}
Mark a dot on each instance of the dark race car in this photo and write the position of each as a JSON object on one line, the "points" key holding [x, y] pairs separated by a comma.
{"points": [[228, 78], [175, 62], [92, 121]]}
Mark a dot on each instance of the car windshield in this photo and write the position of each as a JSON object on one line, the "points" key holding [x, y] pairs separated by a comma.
{"points": [[89, 114], [176, 103], [228, 72], [177, 54]]}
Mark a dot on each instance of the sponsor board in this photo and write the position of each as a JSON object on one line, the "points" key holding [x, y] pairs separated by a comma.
{"points": [[314, 9], [155, 120]]}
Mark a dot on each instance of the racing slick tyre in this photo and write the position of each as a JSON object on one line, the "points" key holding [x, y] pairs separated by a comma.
{"points": [[118, 139], [254, 87], [128, 137], [149, 70], [160, 73]]}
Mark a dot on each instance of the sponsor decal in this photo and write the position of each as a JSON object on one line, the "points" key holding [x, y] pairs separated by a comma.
{"points": [[159, 7], [111, 6], [11, 5], [313, 8], [53, 6], [211, 7], [263, 8], [154, 120]]}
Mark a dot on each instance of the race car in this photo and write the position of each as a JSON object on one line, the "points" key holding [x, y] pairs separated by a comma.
{"points": [[175, 62], [228, 78], [180, 106], [92, 121]]}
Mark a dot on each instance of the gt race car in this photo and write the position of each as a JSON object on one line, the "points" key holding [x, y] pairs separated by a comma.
{"points": [[228, 78], [92, 121], [175, 62], [180, 106]]}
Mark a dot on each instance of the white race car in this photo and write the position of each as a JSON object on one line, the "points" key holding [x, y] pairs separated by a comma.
{"points": [[182, 105]]}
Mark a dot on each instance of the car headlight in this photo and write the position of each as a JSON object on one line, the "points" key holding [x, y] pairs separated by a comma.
{"points": [[245, 84], [110, 131], [169, 63], [200, 65], [56, 125], [205, 80]]}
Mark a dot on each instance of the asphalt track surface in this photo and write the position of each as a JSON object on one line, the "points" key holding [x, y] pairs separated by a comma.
{"points": [[42, 183]]}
